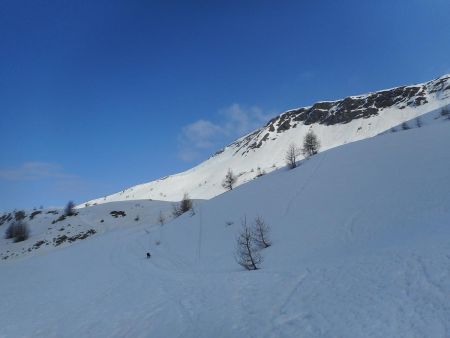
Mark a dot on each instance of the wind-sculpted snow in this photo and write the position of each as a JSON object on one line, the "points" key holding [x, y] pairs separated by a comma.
{"points": [[335, 122], [360, 248]]}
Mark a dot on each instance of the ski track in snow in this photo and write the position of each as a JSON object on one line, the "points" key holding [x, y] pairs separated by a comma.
{"points": [[281, 316], [304, 184]]}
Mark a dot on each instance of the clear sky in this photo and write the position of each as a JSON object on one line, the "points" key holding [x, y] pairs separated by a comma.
{"points": [[96, 96]]}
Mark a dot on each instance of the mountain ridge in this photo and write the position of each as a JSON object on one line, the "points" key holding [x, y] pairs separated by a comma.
{"points": [[337, 122]]}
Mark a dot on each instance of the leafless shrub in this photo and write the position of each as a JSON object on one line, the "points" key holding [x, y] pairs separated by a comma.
{"points": [[291, 156], [261, 233], [247, 253], [405, 126], [418, 122], [161, 219], [260, 172]]}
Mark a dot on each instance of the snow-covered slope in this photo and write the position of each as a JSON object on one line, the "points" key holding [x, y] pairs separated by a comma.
{"points": [[50, 229], [338, 122], [360, 249]]}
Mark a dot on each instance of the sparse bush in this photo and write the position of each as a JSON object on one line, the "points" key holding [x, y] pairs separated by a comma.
{"points": [[229, 180], [17, 230], [291, 156], [9, 233], [69, 210], [418, 122], [405, 126], [183, 206], [247, 252], [19, 215], [260, 172], [445, 112], [261, 233], [21, 232], [161, 219], [117, 213], [176, 210]]}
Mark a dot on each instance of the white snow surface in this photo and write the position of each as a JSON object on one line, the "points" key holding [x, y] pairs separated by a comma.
{"points": [[361, 248], [204, 180]]}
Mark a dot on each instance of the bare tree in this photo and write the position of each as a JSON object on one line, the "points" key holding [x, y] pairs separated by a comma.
{"points": [[69, 210], [291, 156], [311, 144], [418, 122], [229, 180], [161, 219], [183, 206], [405, 126], [247, 253], [261, 233]]}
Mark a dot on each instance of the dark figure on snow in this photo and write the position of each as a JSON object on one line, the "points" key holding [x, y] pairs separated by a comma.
{"points": [[148, 254]]}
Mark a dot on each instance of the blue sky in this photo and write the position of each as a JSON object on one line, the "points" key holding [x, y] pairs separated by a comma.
{"points": [[96, 96]]}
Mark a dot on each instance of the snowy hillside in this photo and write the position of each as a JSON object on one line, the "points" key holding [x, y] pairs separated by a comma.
{"points": [[360, 248], [338, 122], [50, 228]]}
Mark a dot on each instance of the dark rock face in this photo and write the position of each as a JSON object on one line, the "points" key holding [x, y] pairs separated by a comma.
{"points": [[342, 111], [35, 213], [5, 218], [350, 108], [64, 238]]}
